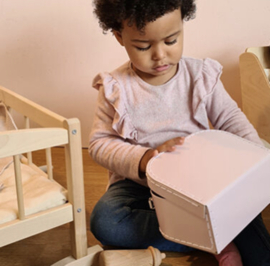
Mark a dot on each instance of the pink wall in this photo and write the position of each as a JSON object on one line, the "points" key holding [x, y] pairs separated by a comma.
{"points": [[223, 30], [50, 50]]}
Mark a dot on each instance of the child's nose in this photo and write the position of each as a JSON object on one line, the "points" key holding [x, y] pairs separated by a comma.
{"points": [[158, 53]]}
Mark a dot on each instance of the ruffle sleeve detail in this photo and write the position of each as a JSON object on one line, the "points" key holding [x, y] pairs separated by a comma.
{"points": [[116, 97], [208, 75]]}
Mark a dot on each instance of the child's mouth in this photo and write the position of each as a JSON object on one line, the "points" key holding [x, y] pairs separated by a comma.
{"points": [[162, 68]]}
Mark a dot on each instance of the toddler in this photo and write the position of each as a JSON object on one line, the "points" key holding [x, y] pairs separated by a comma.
{"points": [[149, 105]]}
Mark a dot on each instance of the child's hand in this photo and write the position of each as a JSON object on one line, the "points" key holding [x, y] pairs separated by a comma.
{"points": [[170, 145], [167, 146]]}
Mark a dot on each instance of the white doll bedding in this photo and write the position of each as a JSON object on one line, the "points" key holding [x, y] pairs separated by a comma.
{"points": [[39, 192]]}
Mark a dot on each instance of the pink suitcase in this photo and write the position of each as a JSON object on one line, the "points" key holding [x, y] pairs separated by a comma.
{"points": [[209, 189]]}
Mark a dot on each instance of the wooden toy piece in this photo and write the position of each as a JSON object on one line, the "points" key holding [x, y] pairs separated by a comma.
{"points": [[143, 257]]}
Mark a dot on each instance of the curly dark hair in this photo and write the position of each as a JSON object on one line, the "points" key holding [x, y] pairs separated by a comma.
{"points": [[111, 13]]}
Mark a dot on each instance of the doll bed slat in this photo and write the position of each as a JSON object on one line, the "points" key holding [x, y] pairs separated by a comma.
{"points": [[255, 88], [19, 189], [49, 163], [61, 131]]}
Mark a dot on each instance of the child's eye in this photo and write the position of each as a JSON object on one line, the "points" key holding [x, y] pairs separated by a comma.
{"points": [[171, 43], [143, 48]]}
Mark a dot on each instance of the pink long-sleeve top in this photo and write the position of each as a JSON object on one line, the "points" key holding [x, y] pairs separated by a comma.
{"points": [[133, 116]]}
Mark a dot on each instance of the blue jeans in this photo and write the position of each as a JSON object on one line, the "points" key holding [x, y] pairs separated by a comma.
{"points": [[122, 218]]}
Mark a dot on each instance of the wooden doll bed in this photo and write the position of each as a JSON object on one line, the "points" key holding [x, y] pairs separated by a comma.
{"points": [[255, 86], [16, 146]]}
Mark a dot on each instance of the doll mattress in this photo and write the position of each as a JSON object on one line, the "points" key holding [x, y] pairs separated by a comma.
{"points": [[39, 192], [209, 189]]}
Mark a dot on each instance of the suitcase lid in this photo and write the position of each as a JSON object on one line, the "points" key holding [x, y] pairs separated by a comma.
{"points": [[208, 162]]}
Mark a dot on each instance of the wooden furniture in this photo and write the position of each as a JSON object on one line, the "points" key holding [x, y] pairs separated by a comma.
{"points": [[150, 257], [255, 86], [54, 130]]}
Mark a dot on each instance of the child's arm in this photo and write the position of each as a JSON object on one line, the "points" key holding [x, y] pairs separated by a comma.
{"points": [[108, 148], [115, 153], [224, 114]]}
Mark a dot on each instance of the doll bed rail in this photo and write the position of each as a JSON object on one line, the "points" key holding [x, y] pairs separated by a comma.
{"points": [[54, 130]]}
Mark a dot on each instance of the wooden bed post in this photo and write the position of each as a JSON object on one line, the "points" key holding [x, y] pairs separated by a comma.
{"points": [[76, 188]]}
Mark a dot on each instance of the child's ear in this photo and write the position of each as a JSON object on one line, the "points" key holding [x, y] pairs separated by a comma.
{"points": [[118, 37]]}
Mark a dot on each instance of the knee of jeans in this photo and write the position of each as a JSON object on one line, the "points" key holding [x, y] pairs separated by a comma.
{"points": [[97, 220], [97, 226], [116, 227], [104, 221], [104, 229]]}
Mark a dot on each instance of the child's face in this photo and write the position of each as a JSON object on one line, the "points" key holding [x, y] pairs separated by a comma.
{"points": [[155, 53]]}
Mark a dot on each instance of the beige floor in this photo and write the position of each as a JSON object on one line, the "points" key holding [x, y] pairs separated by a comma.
{"points": [[49, 247]]}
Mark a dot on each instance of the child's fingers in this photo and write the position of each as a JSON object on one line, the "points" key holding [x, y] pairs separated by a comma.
{"points": [[179, 140], [169, 145]]}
